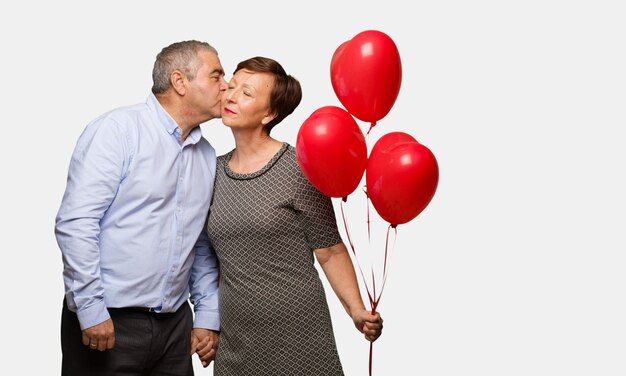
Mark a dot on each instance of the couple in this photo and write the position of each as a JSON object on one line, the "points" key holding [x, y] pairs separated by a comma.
{"points": [[137, 241]]}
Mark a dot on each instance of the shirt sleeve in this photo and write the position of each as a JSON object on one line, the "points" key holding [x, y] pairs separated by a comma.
{"points": [[316, 212], [203, 284], [95, 172]]}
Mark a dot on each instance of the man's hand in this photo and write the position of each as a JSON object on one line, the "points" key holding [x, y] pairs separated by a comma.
{"points": [[100, 337], [204, 342]]}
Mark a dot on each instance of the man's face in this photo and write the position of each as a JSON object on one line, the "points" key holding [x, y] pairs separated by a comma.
{"points": [[205, 90]]}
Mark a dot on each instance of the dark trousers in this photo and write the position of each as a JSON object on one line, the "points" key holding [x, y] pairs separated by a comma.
{"points": [[146, 343]]}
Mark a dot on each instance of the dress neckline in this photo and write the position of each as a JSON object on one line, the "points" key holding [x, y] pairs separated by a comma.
{"points": [[235, 175]]}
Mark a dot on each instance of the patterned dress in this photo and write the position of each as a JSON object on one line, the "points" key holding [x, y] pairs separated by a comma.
{"points": [[264, 227]]}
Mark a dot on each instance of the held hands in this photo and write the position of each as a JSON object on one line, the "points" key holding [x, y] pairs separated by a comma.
{"points": [[100, 337], [204, 342], [368, 324]]}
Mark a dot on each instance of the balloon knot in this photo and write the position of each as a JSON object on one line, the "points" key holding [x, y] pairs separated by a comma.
{"points": [[344, 198]]}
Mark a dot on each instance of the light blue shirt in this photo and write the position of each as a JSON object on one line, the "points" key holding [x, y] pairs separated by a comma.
{"points": [[131, 226]]}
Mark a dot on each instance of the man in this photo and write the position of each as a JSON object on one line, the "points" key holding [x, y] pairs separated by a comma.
{"points": [[131, 227]]}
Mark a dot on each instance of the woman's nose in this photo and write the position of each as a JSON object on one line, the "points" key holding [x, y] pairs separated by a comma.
{"points": [[229, 95]]}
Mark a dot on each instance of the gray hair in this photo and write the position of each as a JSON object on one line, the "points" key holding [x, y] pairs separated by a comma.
{"points": [[181, 56]]}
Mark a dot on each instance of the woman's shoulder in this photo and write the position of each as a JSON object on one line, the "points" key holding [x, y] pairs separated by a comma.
{"points": [[289, 157], [290, 151], [225, 157]]}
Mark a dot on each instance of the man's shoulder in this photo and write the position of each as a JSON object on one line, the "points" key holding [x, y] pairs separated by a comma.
{"points": [[120, 119], [204, 144], [127, 114]]}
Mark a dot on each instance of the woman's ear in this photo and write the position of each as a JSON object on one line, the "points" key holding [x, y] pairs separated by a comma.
{"points": [[267, 118]]}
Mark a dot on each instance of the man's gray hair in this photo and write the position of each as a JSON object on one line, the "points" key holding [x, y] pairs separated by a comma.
{"points": [[181, 56]]}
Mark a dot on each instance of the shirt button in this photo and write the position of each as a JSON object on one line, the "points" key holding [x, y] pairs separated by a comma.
{"points": [[178, 238]]}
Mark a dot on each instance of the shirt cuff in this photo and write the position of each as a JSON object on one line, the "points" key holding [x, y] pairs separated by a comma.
{"points": [[93, 315], [207, 320]]}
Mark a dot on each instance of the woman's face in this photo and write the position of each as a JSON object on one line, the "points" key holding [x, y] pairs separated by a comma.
{"points": [[245, 104]]}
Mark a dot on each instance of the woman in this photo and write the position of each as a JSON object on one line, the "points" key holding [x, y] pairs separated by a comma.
{"points": [[266, 221]]}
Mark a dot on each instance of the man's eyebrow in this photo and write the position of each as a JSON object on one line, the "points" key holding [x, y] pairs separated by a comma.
{"points": [[220, 71]]}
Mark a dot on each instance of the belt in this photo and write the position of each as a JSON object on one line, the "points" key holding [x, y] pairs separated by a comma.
{"points": [[144, 309], [136, 309], [149, 309]]}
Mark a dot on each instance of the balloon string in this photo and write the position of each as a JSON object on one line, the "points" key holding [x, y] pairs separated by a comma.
{"points": [[374, 304], [385, 260], [367, 200], [374, 300], [371, 356], [374, 289], [345, 223], [371, 298]]}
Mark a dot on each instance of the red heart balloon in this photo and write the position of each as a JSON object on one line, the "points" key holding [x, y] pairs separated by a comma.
{"points": [[401, 177], [366, 74], [343, 114], [331, 151]]}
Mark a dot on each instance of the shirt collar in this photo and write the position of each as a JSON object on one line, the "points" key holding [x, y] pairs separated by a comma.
{"points": [[169, 123]]}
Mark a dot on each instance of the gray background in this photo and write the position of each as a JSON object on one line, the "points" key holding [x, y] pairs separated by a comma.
{"points": [[517, 265]]}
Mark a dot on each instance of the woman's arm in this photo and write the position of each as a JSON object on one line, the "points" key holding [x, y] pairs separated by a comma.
{"points": [[338, 268]]}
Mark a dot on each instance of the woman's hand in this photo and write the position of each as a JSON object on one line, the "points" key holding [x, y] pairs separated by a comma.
{"points": [[370, 325]]}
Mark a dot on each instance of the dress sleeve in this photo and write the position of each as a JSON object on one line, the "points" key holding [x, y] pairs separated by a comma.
{"points": [[317, 213]]}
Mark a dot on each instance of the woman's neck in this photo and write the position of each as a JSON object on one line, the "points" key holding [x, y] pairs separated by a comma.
{"points": [[252, 151]]}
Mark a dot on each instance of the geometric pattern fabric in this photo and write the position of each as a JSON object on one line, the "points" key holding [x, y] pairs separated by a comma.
{"points": [[264, 227]]}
